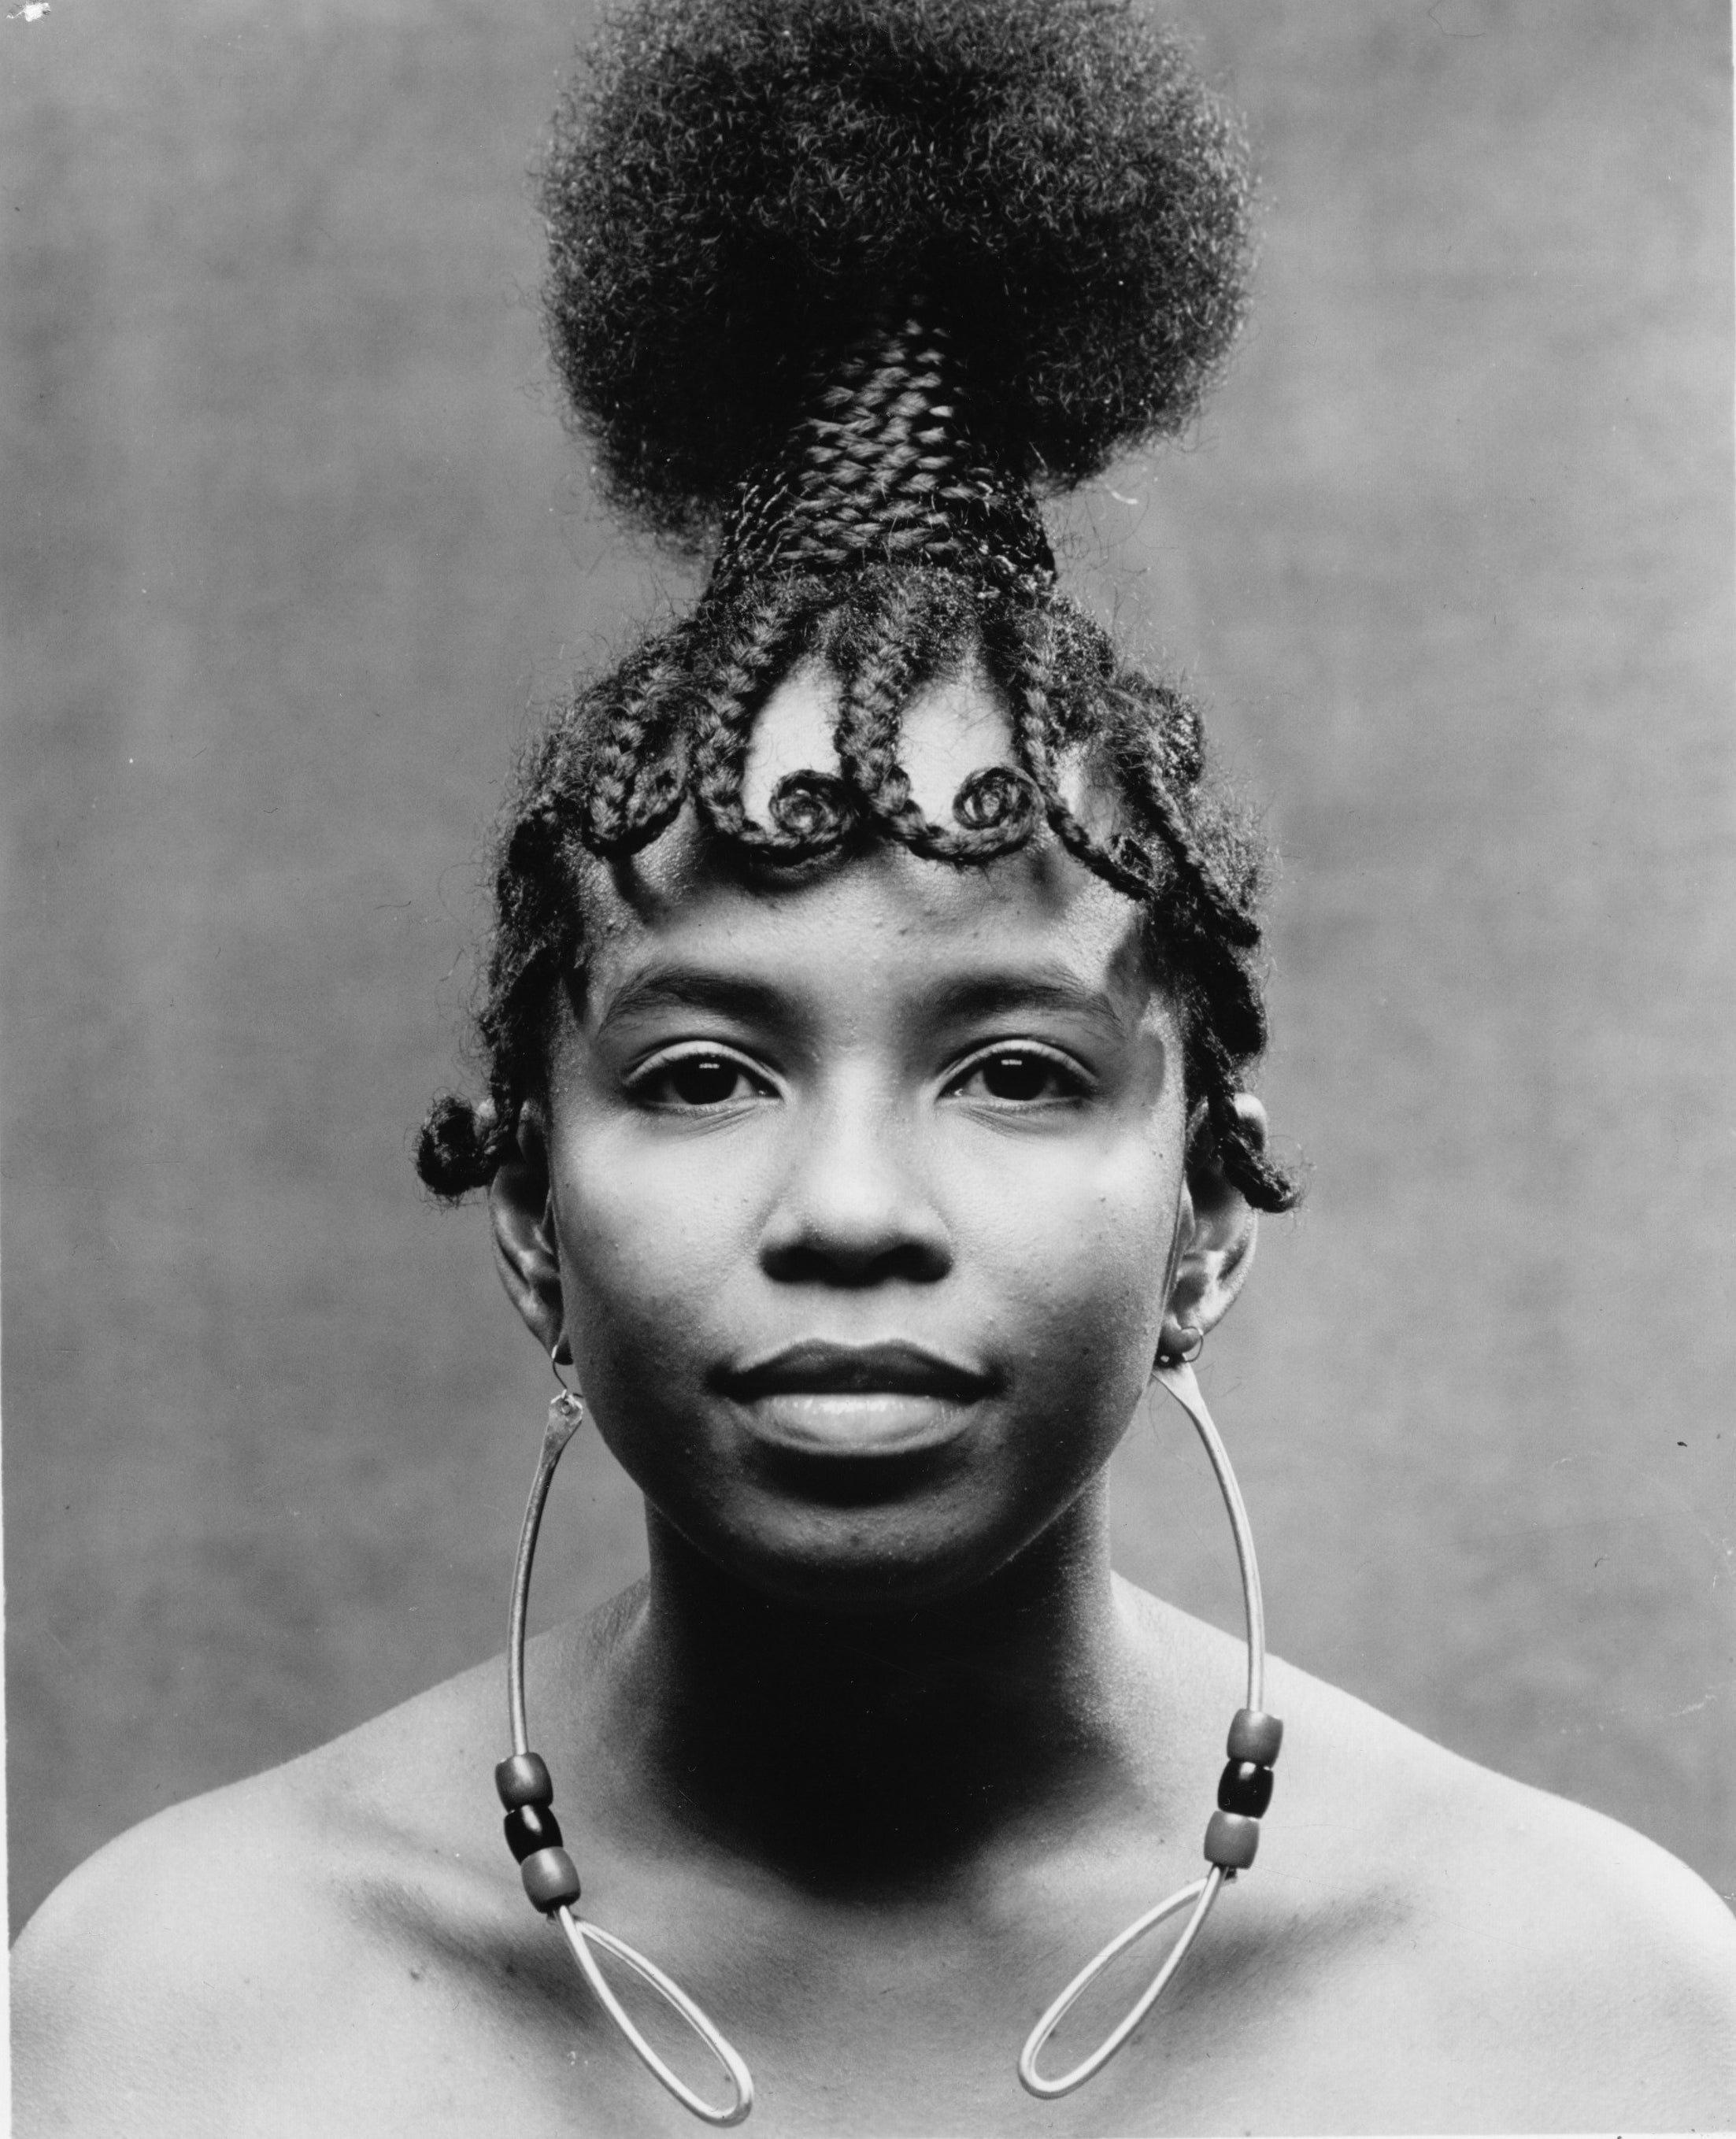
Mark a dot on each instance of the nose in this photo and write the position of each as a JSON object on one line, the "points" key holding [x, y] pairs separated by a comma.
{"points": [[855, 1205]]}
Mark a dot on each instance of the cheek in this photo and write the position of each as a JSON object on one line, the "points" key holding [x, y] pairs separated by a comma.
{"points": [[651, 1238], [1074, 1255]]}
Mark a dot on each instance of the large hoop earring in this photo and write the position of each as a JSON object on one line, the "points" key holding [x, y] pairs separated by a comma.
{"points": [[551, 1878], [533, 1833], [1245, 1789]]}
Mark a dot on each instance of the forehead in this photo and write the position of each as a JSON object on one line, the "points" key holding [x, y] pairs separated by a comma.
{"points": [[885, 915]]}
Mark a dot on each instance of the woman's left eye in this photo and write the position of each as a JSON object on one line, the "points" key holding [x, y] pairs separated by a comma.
{"points": [[697, 1081], [1016, 1076]]}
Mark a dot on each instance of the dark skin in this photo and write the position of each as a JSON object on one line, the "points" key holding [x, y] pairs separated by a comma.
{"points": [[881, 1751], [876, 1755], [921, 1114]]}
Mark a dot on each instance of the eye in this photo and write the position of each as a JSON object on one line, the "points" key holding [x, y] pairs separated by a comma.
{"points": [[1020, 1076], [704, 1079]]}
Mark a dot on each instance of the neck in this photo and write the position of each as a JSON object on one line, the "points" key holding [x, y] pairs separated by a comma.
{"points": [[864, 1751]]}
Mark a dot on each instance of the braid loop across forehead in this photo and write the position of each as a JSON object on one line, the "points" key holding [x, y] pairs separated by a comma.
{"points": [[1189, 858]]}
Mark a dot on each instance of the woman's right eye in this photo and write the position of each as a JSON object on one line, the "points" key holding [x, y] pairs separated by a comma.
{"points": [[698, 1081]]}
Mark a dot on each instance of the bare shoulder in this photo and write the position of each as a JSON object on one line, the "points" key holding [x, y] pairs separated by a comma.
{"points": [[1599, 1943], [197, 1973], [1567, 1969], [178, 1936]]}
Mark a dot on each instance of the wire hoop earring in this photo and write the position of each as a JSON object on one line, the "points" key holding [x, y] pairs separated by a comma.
{"points": [[551, 1878], [1245, 1789], [1184, 1348], [533, 1833]]}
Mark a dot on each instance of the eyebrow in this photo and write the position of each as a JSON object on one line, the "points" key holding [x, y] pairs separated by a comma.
{"points": [[693, 987], [994, 994], [962, 998]]}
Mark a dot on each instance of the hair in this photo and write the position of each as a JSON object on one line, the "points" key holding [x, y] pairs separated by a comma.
{"points": [[835, 287]]}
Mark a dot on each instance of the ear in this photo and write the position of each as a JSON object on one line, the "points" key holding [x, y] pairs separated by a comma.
{"points": [[1215, 1231], [526, 1251]]}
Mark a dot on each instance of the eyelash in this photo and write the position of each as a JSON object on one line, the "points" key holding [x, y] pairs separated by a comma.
{"points": [[656, 1077], [1057, 1067], [663, 1069]]}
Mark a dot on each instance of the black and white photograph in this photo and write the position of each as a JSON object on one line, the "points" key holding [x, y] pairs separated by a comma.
{"points": [[869, 1050]]}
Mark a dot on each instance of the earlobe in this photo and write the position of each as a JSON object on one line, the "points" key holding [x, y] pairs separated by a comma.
{"points": [[1215, 1235], [527, 1252]]}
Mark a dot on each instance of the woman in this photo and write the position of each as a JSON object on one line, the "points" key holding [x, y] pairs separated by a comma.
{"points": [[874, 982]]}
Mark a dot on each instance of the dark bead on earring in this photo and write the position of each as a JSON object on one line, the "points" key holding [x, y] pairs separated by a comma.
{"points": [[522, 1779], [1231, 1838], [530, 1828], [1245, 1787], [551, 1880], [1255, 1735]]}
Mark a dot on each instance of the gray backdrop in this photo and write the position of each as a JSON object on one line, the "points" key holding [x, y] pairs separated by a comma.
{"points": [[292, 542]]}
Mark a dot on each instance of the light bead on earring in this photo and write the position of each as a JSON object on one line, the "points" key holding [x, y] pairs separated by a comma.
{"points": [[1231, 1839]]}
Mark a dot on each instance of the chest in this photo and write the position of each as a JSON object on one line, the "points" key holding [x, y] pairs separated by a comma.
{"points": [[866, 2026]]}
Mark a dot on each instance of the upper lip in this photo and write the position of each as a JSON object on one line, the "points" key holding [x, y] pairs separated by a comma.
{"points": [[815, 1367]]}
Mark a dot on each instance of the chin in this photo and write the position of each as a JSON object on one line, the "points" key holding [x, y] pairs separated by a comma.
{"points": [[861, 1553]]}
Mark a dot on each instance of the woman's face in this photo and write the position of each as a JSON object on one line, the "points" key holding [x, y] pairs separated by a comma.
{"points": [[864, 1189]]}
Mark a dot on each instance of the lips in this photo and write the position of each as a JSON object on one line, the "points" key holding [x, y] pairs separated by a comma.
{"points": [[855, 1406], [816, 1368]]}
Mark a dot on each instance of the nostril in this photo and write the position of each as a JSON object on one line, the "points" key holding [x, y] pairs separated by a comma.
{"points": [[809, 1247], [828, 1245], [815, 1258]]}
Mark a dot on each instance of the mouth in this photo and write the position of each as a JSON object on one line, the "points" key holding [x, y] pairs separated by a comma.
{"points": [[856, 1400]]}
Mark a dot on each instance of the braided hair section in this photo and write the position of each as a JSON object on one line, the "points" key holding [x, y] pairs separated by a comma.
{"points": [[671, 730], [1197, 872], [886, 466], [833, 285]]}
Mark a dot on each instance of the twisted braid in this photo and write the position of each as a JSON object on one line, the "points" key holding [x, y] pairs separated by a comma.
{"points": [[1203, 929], [758, 634], [636, 778], [894, 629], [883, 469], [460, 1146], [881, 668], [1021, 657]]}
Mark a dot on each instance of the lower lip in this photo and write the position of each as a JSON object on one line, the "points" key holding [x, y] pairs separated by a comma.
{"points": [[882, 1423]]}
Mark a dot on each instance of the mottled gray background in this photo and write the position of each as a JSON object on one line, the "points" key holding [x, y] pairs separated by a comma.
{"points": [[292, 542]]}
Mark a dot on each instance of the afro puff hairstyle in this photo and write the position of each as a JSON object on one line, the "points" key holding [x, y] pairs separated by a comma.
{"points": [[735, 188], [835, 285]]}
